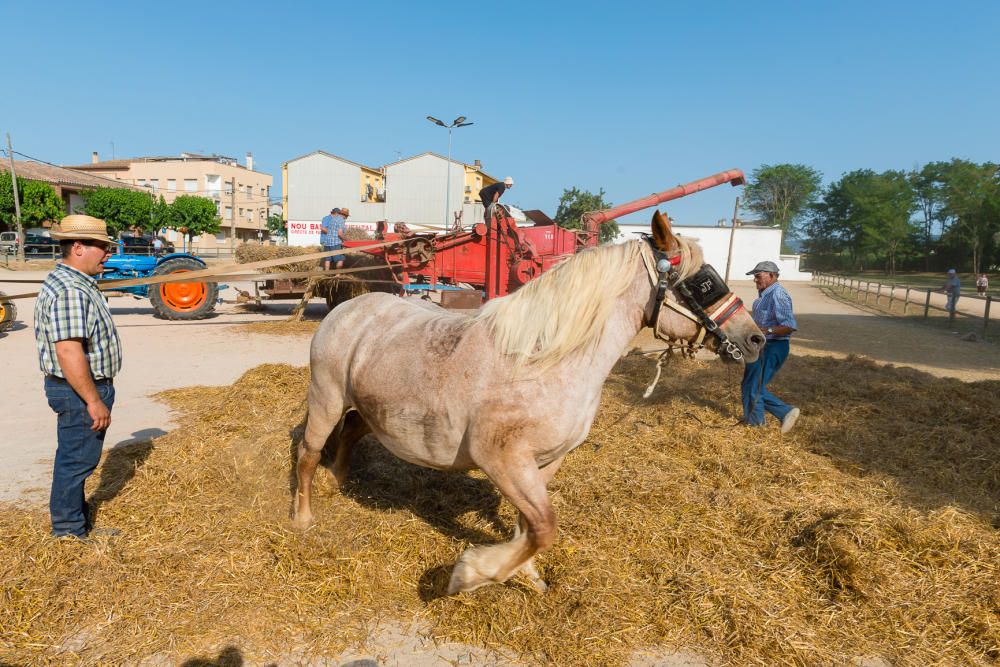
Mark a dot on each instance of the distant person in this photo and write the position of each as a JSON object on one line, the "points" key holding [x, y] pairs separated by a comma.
{"points": [[953, 289], [982, 284], [491, 195], [331, 237], [79, 354], [157, 246], [772, 312]]}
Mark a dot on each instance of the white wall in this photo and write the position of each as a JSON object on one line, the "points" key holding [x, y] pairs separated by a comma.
{"points": [[415, 190], [318, 183], [750, 246]]}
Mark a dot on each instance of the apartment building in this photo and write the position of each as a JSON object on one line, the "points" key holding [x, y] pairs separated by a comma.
{"points": [[240, 193]]}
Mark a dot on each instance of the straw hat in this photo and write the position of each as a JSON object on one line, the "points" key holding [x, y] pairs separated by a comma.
{"points": [[74, 227]]}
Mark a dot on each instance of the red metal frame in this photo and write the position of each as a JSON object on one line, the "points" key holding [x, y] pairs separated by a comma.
{"points": [[498, 257]]}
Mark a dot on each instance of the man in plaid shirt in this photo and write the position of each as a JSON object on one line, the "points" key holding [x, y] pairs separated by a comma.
{"points": [[80, 353], [772, 312]]}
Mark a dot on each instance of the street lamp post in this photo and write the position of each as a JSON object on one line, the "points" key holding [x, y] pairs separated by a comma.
{"points": [[458, 122]]}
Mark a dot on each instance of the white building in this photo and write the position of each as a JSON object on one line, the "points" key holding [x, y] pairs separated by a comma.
{"points": [[412, 190], [751, 244]]}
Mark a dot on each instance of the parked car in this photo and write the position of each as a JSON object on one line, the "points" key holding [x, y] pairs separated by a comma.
{"points": [[38, 245], [143, 245], [8, 243]]}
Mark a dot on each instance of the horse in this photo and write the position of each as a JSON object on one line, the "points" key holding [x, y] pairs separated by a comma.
{"points": [[511, 389]]}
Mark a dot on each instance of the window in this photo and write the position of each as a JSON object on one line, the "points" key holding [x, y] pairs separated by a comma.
{"points": [[249, 214], [218, 208], [171, 185], [220, 237], [241, 211], [229, 213], [249, 191], [154, 183], [213, 184], [142, 182], [190, 185]]}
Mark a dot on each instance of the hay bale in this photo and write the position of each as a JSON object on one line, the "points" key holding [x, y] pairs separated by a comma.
{"points": [[247, 253]]}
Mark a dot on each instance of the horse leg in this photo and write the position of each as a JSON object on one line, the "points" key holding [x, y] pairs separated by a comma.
{"points": [[352, 428], [523, 484], [528, 569], [325, 413]]}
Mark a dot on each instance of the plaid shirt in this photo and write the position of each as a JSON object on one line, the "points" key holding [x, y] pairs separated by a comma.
{"points": [[333, 224], [70, 306], [773, 308]]}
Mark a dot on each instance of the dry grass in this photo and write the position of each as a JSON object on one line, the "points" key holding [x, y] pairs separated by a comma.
{"points": [[870, 530], [280, 328]]}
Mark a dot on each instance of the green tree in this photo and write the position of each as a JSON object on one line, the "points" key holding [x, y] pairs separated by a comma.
{"points": [[928, 189], [122, 209], [575, 202], [192, 215], [780, 194], [883, 204], [276, 226], [972, 207], [39, 202]]}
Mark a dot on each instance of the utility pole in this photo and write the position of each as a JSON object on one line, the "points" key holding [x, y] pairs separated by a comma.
{"points": [[17, 202], [232, 215], [732, 233]]}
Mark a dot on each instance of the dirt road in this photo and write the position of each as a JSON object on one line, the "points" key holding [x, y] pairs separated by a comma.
{"points": [[161, 355], [158, 355]]}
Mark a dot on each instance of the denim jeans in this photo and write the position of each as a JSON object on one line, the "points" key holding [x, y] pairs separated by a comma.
{"points": [[77, 455], [756, 396]]}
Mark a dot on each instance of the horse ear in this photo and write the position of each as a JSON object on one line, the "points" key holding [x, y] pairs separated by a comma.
{"points": [[663, 237]]}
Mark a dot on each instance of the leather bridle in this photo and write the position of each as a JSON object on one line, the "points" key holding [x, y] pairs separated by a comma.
{"points": [[704, 289]]}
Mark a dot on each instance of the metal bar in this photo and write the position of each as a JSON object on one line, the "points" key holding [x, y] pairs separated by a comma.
{"points": [[927, 304], [906, 299], [986, 313], [595, 218]]}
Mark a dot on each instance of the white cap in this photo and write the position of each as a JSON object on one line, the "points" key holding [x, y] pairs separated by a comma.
{"points": [[509, 182]]}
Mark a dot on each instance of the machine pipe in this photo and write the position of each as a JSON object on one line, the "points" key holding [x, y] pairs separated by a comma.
{"points": [[595, 218]]}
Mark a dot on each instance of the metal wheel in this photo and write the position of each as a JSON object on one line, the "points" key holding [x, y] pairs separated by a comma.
{"points": [[8, 313]]}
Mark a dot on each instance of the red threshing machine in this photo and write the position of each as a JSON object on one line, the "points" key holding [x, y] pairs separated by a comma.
{"points": [[495, 258]]}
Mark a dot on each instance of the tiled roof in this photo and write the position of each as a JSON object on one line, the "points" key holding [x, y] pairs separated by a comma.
{"points": [[38, 171], [102, 166]]}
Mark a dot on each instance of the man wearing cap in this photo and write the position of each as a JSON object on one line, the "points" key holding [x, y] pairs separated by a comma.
{"points": [[491, 195], [953, 289], [331, 236], [80, 354], [772, 312]]}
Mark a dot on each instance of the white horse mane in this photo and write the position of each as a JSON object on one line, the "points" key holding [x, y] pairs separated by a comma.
{"points": [[565, 309]]}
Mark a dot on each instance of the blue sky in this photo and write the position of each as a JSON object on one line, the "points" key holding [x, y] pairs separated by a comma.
{"points": [[630, 97]]}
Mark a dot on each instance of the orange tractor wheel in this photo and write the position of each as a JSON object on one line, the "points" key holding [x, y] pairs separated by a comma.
{"points": [[182, 301]]}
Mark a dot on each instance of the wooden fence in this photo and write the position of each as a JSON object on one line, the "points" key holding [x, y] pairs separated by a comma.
{"points": [[908, 298]]}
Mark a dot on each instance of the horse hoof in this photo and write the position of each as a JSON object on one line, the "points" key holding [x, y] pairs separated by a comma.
{"points": [[302, 522], [465, 577]]}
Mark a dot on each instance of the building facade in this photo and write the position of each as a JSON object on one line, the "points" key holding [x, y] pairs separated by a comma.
{"points": [[413, 190], [241, 195]]}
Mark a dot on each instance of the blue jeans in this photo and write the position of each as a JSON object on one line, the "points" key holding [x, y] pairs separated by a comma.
{"points": [[335, 258], [756, 376], [77, 455]]}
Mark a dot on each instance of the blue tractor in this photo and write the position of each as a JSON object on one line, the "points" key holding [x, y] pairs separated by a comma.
{"points": [[172, 301]]}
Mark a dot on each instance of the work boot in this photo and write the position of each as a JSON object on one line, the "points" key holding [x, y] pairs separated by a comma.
{"points": [[789, 421]]}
